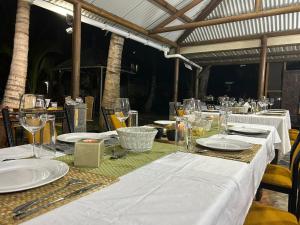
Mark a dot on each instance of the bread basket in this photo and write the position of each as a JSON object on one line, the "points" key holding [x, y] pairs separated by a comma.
{"points": [[137, 139]]}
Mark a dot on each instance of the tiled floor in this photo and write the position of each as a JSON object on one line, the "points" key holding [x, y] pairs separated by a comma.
{"points": [[276, 199]]}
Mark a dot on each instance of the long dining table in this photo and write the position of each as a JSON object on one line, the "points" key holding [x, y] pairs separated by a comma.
{"points": [[180, 188], [281, 123]]}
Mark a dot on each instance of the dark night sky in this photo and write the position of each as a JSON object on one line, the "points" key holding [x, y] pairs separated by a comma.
{"points": [[47, 31]]}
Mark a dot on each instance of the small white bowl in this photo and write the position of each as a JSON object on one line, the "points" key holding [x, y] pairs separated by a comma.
{"points": [[137, 139]]}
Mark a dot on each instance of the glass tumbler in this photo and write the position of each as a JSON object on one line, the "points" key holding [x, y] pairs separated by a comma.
{"points": [[133, 119], [49, 138], [183, 134]]}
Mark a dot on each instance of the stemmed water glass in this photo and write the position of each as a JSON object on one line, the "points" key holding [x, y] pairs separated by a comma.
{"points": [[271, 102], [33, 116], [122, 108]]}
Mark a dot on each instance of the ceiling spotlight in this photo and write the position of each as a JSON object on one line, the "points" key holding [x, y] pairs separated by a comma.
{"points": [[69, 21], [69, 30]]}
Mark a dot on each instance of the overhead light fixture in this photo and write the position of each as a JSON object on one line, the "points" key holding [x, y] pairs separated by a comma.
{"points": [[69, 21], [188, 66], [69, 30]]}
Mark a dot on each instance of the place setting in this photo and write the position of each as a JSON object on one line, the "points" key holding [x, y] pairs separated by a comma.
{"points": [[31, 182], [247, 131], [226, 148]]}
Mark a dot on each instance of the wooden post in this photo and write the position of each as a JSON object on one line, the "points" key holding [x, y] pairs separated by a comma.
{"points": [[197, 83], [262, 67], [267, 79], [176, 79], [76, 49]]}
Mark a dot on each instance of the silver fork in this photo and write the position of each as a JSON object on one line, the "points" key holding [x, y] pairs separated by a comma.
{"points": [[27, 205]]}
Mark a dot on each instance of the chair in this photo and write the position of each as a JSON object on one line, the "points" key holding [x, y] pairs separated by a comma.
{"points": [[61, 117], [89, 101], [264, 215], [179, 110], [111, 121], [267, 215], [293, 133], [284, 180], [10, 121]]}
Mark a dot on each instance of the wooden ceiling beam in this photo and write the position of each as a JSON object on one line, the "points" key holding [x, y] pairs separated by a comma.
{"points": [[284, 40], [237, 57], [205, 12], [179, 13], [254, 60], [230, 19], [242, 38], [258, 5], [116, 19], [165, 6]]}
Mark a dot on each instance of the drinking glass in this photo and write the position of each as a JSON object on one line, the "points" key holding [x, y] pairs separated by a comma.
{"points": [[133, 118], [189, 106], [33, 116], [271, 102], [122, 109]]}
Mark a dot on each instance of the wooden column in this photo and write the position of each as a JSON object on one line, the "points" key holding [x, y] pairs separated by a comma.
{"points": [[262, 67], [76, 47], [197, 83], [267, 79], [176, 79]]}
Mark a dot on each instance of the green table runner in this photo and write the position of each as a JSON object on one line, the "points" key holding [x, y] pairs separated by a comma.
{"points": [[118, 167]]}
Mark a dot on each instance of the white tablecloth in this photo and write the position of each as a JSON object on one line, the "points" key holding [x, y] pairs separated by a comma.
{"points": [[281, 123], [180, 188]]}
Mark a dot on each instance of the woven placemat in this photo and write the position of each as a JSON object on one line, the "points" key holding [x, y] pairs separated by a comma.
{"points": [[242, 156], [118, 167], [11, 200]]}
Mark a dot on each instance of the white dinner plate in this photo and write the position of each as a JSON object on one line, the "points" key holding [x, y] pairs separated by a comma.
{"points": [[74, 137], [273, 113], [223, 144], [247, 130], [164, 122], [211, 110], [24, 174], [276, 111], [280, 110]]}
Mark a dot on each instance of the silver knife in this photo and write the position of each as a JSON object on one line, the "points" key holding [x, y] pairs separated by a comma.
{"points": [[28, 212]]}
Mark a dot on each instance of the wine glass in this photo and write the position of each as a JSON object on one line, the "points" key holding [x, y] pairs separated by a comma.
{"points": [[33, 116], [122, 108]]}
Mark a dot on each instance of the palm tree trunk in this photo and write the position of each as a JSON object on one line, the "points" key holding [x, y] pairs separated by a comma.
{"points": [[18, 69], [112, 78]]}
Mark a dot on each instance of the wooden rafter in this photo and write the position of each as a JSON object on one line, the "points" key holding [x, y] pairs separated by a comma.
{"points": [[206, 11], [238, 57], [179, 13], [230, 19], [242, 38], [116, 19], [248, 60], [258, 5], [165, 6]]}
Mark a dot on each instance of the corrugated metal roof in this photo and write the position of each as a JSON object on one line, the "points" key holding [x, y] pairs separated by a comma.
{"points": [[284, 22], [148, 15]]}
